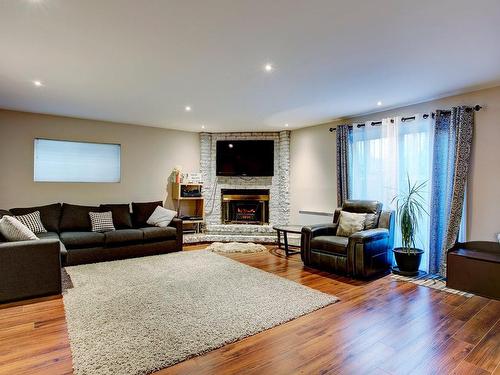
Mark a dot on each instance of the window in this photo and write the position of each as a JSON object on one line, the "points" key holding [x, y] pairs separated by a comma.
{"points": [[68, 161], [382, 159]]}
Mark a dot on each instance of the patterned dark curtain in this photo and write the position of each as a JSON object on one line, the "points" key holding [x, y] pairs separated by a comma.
{"points": [[451, 158], [343, 160]]}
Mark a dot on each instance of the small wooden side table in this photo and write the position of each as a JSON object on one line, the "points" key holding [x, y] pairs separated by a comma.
{"points": [[285, 229]]}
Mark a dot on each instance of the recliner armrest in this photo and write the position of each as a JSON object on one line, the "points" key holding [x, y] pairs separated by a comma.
{"points": [[369, 252], [370, 235], [315, 230], [311, 231]]}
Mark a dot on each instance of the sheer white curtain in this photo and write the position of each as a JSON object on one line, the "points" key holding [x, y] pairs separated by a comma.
{"points": [[382, 158]]}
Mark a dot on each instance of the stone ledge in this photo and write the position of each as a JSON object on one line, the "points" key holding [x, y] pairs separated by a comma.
{"points": [[203, 237], [239, 229]]}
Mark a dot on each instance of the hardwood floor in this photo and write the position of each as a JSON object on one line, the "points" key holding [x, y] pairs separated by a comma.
{"points": [[378, 327]]}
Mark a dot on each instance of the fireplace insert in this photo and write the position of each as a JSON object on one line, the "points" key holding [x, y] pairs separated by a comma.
{"points": [[245, 206]]}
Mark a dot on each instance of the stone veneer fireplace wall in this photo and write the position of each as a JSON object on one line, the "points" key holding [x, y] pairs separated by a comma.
{"points": [[278, 185]]}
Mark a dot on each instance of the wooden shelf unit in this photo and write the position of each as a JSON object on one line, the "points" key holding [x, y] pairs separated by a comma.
{"points": [[192, 206]]}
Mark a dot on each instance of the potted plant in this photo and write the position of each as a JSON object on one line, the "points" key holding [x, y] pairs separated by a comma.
{"points": [[409, 211]]}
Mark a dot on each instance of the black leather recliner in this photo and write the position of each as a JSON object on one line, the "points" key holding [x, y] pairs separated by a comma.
{"points": [[362, 255]]}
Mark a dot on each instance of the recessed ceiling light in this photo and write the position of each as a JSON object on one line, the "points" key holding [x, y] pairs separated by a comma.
{"points": [[268, 67], [203, 126], [379, 103], [187, 108], [37, 83], [286, 125]]}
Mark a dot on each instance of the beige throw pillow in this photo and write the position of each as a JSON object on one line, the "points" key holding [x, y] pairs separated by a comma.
{"points": [[13, 230], [371, 221], [350, 223]]}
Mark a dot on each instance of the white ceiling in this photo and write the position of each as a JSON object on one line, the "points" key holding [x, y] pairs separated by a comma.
{"points": [[142, 62]]}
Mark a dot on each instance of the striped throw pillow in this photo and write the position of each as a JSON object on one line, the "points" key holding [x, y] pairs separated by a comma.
{"points": [[101, 221], [33, 222]]}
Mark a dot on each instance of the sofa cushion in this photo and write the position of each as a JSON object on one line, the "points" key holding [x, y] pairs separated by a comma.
{"points": [[80, 240], [142, 211], [50, 215], [159, 234], [76, 218], [123, 237], [84, 256], [48, 236], [121, 214], [330, 244]]}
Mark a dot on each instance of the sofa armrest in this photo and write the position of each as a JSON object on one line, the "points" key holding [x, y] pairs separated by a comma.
{"points": [[177, 224], [29, 269]]}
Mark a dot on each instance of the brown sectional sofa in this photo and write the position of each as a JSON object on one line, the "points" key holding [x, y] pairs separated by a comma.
{"points": [[32, 268]]}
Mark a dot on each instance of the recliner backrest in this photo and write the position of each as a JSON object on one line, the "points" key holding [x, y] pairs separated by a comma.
{"points": [[359, 207], [362, 207]]}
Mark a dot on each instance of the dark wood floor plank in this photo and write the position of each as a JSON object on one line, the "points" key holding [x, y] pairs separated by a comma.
{"points": [[486, 354], [384, 327], [479, 324], [466, 368], [470, 307]]}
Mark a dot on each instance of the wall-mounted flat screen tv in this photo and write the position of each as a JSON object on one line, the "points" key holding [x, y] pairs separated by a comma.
{"points": [[245, 158]]}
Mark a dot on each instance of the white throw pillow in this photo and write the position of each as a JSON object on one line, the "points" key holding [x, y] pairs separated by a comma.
{"points": [[350, 223], [161, 217], [33, 222], [13, 230]]}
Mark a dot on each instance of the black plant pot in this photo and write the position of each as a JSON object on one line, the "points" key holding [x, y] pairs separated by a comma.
{"points": [[408, 262]]}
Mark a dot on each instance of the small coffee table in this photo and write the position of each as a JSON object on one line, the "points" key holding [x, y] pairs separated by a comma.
{"points": [[285, 229]]}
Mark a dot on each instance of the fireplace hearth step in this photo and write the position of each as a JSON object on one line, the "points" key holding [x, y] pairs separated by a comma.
{"points": [[247, 229], [207, 237]]}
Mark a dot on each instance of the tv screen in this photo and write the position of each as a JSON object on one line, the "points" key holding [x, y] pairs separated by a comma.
{"points": [[245, 158]]}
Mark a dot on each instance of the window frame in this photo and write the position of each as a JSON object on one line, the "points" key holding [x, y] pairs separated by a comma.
{"points": [[77, 141]]}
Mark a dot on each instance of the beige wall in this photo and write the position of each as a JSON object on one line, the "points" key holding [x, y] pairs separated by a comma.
{"points": [[148, 156], [313, 182]]}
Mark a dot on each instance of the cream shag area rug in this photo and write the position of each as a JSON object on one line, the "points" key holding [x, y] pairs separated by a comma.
{"points": [[236, 247], [140, 315]]}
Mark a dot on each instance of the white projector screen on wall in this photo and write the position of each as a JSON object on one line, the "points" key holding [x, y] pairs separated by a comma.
{"points": [[68, 161]]}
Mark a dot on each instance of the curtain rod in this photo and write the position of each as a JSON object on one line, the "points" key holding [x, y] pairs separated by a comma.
{"points": [[476, 108]]}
